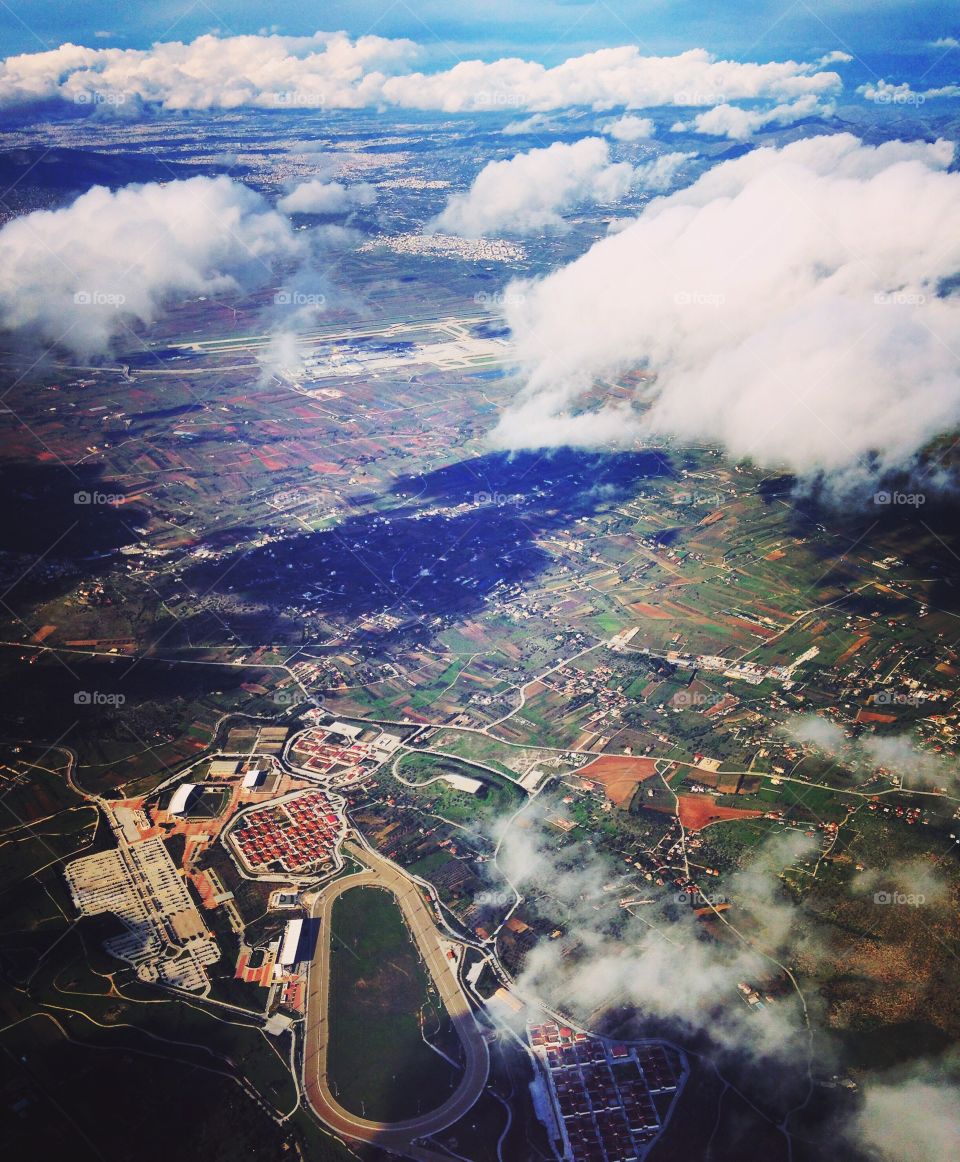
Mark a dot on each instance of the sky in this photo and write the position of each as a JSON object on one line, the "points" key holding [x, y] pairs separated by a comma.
{"points": [[725, 318], [884, 36]]}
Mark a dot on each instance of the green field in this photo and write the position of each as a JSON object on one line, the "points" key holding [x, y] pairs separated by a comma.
{"points": [[498, 796], [379, 1065]]}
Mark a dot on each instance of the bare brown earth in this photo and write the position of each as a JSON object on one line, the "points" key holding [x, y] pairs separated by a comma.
{"points": [[619, 775]]}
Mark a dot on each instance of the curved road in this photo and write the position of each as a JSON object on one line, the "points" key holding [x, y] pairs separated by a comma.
{"points": [[399, 1137]]}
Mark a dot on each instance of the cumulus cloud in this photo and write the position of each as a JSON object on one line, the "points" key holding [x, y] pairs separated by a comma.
{"points": [[740, 124], [629, 128], [916, 1119], [530, 191], [900, 756], [320, 197], [782, 313], [79, 276], [331, 70], [535, 123], [661, 172], [896, 754], [660, 960], [916, 877], [887, 93], [815, 730]]}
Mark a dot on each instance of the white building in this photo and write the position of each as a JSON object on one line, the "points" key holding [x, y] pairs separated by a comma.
{"points": [[178, 804], [345, 730], [462, 783], [291, 942]]}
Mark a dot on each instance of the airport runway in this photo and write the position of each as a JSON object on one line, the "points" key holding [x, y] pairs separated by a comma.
{"points": [[399, 1137]]}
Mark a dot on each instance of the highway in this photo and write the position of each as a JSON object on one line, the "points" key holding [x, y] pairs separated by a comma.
{"points": [[400, 1137]]}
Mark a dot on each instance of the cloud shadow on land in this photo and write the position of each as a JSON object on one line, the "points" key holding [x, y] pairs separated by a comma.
{"points": [[912, 518], [449, 537]]}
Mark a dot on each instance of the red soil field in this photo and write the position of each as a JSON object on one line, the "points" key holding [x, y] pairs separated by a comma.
{"points": [[698, 811], [619, 775], [642, 609]]}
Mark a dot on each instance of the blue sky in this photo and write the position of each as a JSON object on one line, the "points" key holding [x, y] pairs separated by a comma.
{"points": [[889, 37]]}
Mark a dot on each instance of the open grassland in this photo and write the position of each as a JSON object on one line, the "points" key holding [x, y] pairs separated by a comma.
{"points": [[379, 1064]]}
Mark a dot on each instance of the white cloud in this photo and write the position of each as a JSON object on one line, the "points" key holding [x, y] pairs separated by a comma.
{"points": [[661, 173], [896, 754], [787, 301], [81, 275], [530, 191], [629, 128], [815, 730], [661, 963], [320, 197], [887, 93], [740, 124], [945, 42], [329, 70], [915, 1120], [535, 123]]}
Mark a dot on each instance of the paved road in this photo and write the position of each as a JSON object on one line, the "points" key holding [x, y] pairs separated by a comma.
{"points": [[397, 1136]]}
